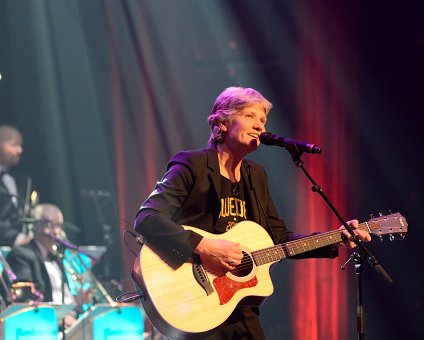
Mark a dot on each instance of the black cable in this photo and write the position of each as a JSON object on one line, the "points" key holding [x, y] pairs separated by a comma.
{"points": [[133, 296], [137, 238]]}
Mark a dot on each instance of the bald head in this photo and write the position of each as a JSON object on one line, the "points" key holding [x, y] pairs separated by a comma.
{"points": [[48, 212]]}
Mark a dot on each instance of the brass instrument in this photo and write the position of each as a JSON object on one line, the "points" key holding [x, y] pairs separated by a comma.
{"points": [[82, 282], [25, 291], [14, 290]]}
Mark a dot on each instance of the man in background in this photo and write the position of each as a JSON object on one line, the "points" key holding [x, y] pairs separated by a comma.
{"points": [[13, 188], [39, 260]]}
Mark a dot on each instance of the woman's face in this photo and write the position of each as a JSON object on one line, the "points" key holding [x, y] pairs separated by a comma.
{"points": [[243, 129]]}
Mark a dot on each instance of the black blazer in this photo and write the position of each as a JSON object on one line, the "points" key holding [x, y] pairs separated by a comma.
{"points": [[10, 215], [188, 194], [27, 263]]}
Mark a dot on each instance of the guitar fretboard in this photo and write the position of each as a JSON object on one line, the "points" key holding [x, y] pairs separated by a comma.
{"points": [[292, 248]]}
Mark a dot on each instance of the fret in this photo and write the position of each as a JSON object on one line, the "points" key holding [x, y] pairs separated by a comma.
{"points": [[311, 243], [316, 241], [267, 255]]}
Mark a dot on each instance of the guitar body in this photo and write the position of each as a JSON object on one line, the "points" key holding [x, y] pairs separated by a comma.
{"points": [[180, 307]]}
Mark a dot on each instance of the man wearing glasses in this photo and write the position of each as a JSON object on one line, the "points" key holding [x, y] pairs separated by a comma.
{"points": [[39, 260]]}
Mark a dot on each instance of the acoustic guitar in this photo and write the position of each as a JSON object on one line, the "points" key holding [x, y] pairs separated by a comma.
{"points": [[193, 299]]}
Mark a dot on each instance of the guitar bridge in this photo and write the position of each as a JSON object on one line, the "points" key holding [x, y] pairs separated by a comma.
{"points": [[201, 276]]}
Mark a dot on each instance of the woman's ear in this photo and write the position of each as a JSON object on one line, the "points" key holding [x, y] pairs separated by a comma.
{"points": [[223, 126]]}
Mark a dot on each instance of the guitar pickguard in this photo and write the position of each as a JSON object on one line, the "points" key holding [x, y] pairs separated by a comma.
{"points": [[226, 287]]}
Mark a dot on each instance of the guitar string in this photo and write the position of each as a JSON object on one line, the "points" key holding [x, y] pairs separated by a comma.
{"points": [[264, 256], [295, 247], [276, 253], [292, 248]]}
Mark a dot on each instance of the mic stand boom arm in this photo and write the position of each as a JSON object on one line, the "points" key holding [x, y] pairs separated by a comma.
{"points": [[362, 252]]}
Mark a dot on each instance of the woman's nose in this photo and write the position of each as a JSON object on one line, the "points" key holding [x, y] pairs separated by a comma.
{"points": [[259, 126]]}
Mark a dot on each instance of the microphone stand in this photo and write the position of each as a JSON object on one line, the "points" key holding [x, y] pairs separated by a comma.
{"points": [[107, 237], [60, 257], [358, 256]]}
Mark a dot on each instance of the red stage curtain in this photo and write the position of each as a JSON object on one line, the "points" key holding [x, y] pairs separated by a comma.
{"points": [[148, 131], [327, 106]]}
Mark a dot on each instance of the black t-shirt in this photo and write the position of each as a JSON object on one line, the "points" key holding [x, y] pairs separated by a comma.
{"points": [[233, 205]]}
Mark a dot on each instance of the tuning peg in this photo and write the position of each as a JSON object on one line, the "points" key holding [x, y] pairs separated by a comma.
{"points": [[380, 237], [372, 215], [401, 236], [380, 214], [390, 211], [391, 237]]}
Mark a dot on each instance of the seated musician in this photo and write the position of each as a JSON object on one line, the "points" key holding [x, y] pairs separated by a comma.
{"points": [[39, 260]]}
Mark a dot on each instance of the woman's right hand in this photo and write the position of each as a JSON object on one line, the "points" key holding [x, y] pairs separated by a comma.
{"points": [[219, 253]]}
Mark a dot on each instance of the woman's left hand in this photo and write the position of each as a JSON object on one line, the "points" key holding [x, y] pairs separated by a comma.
{"points": [[363, 235]]}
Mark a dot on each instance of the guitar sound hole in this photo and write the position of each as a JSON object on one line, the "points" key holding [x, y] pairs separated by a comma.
{"points": [[245, 267]]}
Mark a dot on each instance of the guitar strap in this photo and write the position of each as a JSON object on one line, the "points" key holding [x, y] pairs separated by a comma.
{"points": [[258, 202]]}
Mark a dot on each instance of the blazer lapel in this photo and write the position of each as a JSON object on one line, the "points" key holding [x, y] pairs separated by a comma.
{"points": [[213, 166], [249, 189], [43, 275]]}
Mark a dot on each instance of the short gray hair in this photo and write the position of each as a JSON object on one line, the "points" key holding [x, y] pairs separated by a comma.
{"points": [[228, 103]]}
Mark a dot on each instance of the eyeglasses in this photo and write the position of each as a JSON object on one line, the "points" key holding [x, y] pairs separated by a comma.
{"points": [[51, 224]]}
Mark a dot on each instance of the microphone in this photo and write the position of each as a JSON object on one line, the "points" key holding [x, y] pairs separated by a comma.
{"points": [[66, 244], [59, 241], [32, 220], [268, 138]]}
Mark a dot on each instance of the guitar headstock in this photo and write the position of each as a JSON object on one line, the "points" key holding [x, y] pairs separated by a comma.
{"points": [[388, 225]]}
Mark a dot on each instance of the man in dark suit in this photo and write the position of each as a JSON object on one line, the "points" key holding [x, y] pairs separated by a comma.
{"points": [[37, 260], [13, 188]]}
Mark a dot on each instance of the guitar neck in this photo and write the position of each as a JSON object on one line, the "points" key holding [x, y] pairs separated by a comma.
{"points": [[296, 247]]}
